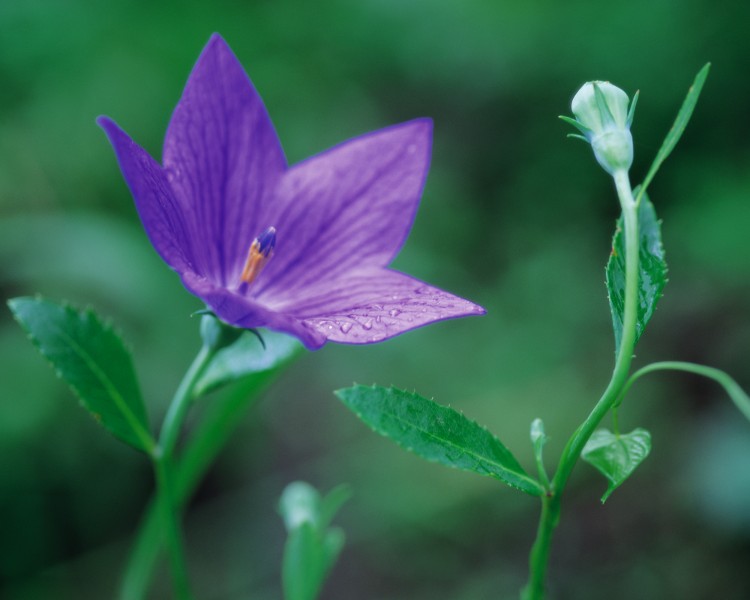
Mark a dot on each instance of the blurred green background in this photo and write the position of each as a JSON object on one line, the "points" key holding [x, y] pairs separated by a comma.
{"points": [[515, 216]]}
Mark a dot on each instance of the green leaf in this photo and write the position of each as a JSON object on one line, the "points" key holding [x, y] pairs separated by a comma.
{"points": [[652, 275], [616, 456], [680, 123], [246, 356], [436, 433], [92, 359], [332, 503]]}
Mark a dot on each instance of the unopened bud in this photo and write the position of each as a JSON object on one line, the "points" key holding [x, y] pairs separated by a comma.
{"points": [[603, 117]]}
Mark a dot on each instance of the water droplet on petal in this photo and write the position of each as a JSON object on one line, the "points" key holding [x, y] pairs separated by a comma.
{"points": [[376, 307], [367, 324], [346, 327], [422, 290], [394, 312]]}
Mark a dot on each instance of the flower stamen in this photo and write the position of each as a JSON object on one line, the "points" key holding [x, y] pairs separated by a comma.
{"points": [[261, 251]]}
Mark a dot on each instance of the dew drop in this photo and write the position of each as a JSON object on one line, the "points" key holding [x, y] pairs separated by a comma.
{"points": [[422, 290], [394, 312], [346, 327], [376, 307], [367, 324]]}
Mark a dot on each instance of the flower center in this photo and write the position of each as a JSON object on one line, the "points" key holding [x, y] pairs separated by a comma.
{"points": [[261, 251]]}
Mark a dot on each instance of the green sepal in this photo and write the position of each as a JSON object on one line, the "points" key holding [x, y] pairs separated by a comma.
{"points": [[92, 359], [579, 126], [436, 433], [312, 548], [246, 356], [652, 271], [631, 111], [616, 456], [608, 119]]}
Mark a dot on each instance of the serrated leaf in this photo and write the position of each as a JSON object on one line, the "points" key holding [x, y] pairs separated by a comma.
{"points": [[436, 433], [246, 356], [652, 271], [616, 456], [680, 123], [92, 359]]}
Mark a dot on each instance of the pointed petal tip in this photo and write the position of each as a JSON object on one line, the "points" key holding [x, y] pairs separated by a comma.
{"points": [[422, 126], [109, 126], [216, 45]]}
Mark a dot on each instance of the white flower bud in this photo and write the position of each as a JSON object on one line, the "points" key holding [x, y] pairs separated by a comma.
{"points": [[602, 116]]}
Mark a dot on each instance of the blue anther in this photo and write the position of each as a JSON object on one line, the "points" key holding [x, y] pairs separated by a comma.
{"points": [[266, 241]]}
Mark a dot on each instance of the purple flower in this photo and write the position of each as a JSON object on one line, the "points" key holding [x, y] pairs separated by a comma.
{"points": [[301, 249]]}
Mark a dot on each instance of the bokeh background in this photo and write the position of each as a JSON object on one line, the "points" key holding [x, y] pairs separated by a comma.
{"points": [[514, 216]]}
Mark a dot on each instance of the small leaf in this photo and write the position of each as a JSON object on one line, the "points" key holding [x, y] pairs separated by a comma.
{"points": [[680, 123], [247, 356], [616, 456], [436, 433], [92, 359], [652, 275], [332, 503], [333, 543]]}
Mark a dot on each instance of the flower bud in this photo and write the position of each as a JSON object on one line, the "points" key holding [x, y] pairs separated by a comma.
{"points": [[602, 116]]}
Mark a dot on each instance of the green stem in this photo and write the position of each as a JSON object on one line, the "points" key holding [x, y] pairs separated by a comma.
{"points": [[170, 527], [732, 388], [572, 452], [178, 409], [167, 497], [539, 557], [210, 435]]}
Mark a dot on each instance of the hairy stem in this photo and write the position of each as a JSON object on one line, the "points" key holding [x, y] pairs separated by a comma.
{"points": [[551, 505]]}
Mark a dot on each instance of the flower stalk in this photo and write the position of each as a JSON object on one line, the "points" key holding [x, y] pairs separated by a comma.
{"points": [[551, 503], [169, 509]]}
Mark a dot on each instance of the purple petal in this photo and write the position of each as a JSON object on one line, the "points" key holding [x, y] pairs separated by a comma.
{"points": [[224, 159], [374, 305], [159, 211], [240, 311], [348, 208]]}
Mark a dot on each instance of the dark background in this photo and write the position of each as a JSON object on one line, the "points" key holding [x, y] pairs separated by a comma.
{"points": [[515, 216]]}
